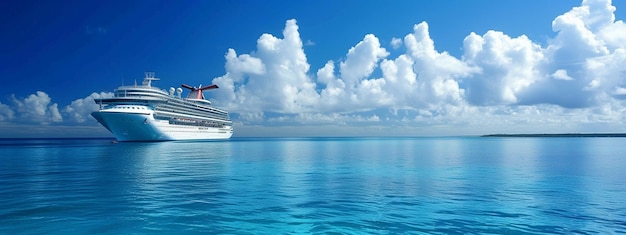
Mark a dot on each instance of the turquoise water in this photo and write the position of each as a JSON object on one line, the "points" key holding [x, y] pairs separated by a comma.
{"points": [[315, 186]]}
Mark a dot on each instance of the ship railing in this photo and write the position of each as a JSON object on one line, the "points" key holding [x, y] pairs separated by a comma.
{"points": [[189, 122]]}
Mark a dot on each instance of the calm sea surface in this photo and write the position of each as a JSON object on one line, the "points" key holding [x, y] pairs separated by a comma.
{"points": [[314, 185]]}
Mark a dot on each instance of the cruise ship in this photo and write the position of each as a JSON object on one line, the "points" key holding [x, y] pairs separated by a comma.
{"points": [[147, 113]]}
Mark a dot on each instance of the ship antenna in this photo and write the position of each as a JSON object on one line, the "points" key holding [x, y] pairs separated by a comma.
{"points": [[149, 74], [149, 77]]}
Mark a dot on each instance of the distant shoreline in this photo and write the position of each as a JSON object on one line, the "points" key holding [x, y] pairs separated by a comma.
{"points": [[559, 135]]}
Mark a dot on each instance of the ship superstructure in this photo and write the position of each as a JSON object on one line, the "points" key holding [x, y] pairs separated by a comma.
{"points": [[147, 113]]}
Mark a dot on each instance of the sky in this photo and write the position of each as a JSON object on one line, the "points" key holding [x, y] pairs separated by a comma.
{"points": [[323, 68]]}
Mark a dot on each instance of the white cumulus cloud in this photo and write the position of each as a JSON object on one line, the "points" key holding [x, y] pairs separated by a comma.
{"points": [[80, 109], [37, 108], [273, 78], [506, 67], [396, 43], [438, 73], [361, 60], [592, 58], [562, 75], [6, 113]]}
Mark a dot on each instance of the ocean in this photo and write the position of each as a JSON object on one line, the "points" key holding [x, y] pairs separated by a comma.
{"points": [[438, 185]]}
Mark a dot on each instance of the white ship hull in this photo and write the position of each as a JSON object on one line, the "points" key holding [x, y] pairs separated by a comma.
{"points": [[141, 126]]}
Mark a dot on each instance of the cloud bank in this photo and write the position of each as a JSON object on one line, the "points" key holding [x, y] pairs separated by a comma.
{"points": [[575, 82], [578, 77], [38, 109]]}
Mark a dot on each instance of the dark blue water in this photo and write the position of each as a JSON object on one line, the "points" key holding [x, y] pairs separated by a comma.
{"points": [[315, 185]]}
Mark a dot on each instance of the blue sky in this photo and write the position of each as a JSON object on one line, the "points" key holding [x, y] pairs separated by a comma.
{"points": [[323, 68]]}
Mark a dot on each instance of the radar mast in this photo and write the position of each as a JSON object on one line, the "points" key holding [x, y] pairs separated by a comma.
{"points": [[149, 77]]}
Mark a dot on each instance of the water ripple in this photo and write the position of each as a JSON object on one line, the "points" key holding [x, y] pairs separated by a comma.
{"points": [[312, 186]]}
